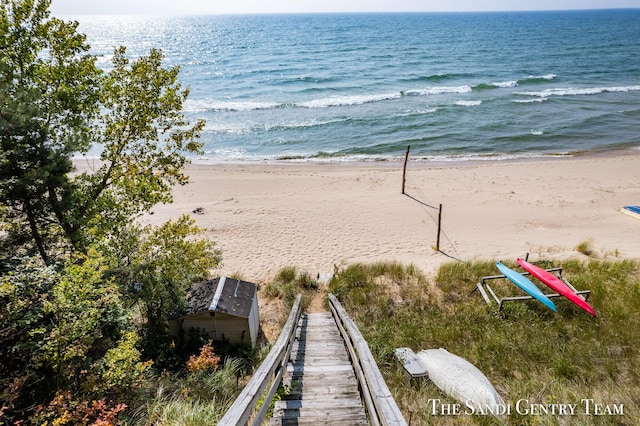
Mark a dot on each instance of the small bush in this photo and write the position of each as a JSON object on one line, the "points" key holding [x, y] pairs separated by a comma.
{"points": [[586, 248], [287, 274], [206, 360], [288, 282]]}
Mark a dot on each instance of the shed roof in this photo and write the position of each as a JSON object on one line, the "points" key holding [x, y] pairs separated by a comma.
{"points": [[224, 294]]}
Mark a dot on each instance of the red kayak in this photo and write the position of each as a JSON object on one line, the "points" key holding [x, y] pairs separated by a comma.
{"points": [[556, 284]]}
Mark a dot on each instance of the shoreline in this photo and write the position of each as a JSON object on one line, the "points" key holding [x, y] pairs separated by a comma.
{"points": [[318, 216], [393, 161]]}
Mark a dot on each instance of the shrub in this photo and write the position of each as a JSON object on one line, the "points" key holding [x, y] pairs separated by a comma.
{"points": [[207, 360]]}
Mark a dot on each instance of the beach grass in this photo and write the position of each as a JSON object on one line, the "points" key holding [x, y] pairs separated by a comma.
{"points": [[528, 352], [192, 399], [288, 282]]}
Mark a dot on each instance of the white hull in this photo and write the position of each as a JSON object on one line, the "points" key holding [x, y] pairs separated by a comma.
{"points": [[460, 379]]}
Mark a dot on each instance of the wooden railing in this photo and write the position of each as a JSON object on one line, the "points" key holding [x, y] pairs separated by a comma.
{"points": [[380, 404], [268, 374]]}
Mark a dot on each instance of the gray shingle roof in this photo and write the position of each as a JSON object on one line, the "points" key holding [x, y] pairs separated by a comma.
{"points": [[224, 294]]}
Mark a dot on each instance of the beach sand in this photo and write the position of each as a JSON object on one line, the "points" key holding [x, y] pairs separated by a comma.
{"points": [[321, 216]]}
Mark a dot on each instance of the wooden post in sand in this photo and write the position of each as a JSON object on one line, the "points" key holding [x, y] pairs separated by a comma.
{"points": [[439, 227], [404, 170]]}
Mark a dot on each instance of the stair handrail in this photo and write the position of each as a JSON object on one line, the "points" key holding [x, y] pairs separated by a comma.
{"points": [[380, 403], [269, 372]]}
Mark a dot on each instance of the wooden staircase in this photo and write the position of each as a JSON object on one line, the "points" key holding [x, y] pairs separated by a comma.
{"points": [[321, 385]]}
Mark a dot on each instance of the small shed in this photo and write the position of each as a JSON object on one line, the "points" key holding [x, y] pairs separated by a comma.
{"points": [[222, 309]]}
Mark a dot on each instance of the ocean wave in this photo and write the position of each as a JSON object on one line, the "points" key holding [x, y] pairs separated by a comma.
{"points": [[208, 105], [468, 103], [496, 85], [423, 111], [462, 158], [435, 77], [537, 79], [242, 129], [529, 101], [515, 83], [241, 156], [347, 100], [437, 90], [359, 99], [573, 91], [229, 129], [325, 102]]}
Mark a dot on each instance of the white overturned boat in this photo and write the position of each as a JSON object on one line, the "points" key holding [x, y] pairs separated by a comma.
{"points": [[455, 376], [460, 379]]}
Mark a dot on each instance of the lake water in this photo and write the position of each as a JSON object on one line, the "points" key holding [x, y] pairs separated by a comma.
{"points": [[454, 86]]}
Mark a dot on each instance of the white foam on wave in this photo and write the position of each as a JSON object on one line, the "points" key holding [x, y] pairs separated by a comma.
{"points": [[419, 112], [209, 105], [537, 132], [468, 103], [542, 77], [505, 84], [227, 128], [529, 101], [438, 90], [574, 91], [243, 129], [348, 100], [233, 155], [460, 158], [301, 124]]}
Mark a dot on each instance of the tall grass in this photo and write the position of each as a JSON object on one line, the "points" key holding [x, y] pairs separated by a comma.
{"points": [[196, 399], [288, 282], [527, 351]]}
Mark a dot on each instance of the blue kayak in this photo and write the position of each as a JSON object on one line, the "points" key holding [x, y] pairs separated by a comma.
{"points": [[526, 285]]}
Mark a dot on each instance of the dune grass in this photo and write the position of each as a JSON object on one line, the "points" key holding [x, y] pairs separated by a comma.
{"points": [[528, 352], [191, 399], [288, 282]]}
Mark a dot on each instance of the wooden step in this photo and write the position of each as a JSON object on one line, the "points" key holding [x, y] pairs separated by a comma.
{"points": [[323, 389]]}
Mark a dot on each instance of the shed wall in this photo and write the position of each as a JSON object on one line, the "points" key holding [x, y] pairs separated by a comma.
{"points": [[219, 327]]}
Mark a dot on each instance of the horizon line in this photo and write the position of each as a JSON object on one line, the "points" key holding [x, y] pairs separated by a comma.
{"points": [[371, 12]]}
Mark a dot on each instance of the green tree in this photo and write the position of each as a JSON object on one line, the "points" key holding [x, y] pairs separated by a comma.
{"points": [[71, 330], [61, 331], [49, 90], [23, 293], [156, 266], [57, 103]]}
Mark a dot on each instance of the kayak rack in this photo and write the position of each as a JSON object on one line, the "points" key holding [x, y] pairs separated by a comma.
{"points": [[486, 290]]}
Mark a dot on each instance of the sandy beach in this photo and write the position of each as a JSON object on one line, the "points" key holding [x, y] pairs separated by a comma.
{"points": [[319, 216]]}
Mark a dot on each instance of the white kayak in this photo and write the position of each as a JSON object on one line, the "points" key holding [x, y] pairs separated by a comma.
{"points": [[460, 379]]}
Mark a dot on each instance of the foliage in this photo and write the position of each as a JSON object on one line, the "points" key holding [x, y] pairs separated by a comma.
{"points": [[120, 371], [79, 329], [49, 93], [527, 351], [144, 137], [155, 267], [62, 331], [84, 311], [65, 410], [206, 360], [23, 293], [55, 103]]}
